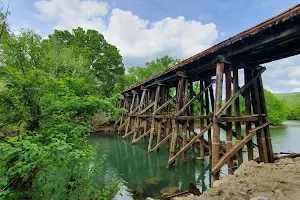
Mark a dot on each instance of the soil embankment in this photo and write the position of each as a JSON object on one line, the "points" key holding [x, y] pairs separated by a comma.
{"points": [[280, 181]]}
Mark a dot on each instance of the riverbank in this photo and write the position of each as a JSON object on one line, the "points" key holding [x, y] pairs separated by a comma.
{"points": [[278, 181]]}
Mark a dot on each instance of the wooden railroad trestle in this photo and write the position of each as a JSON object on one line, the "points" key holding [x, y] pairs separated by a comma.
{"points": [[156, 114], [162, 109]]}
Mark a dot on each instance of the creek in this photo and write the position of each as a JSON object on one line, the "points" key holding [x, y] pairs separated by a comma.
{"points": [[142, 174]]}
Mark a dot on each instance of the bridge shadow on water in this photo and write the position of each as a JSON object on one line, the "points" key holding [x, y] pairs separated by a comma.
{"points": [[144, 174]]}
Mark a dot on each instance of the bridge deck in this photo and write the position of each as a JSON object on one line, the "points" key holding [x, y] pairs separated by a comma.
{"points": [[273, 39]]}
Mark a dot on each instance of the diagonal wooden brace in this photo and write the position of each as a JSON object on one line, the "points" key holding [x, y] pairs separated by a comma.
{"points": [[236, 148], [161, 142], [140, 137], [164, 105], [189, 144], [147, 108], [237, 93], [193, 99], [124, 123]]}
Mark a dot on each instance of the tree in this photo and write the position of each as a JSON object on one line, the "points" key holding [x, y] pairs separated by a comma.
{"points": [[103, 58], [137, 73], [277, 110], [49, 95]]}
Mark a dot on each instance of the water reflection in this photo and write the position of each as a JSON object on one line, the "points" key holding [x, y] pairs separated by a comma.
{"points": [[133, 165]]}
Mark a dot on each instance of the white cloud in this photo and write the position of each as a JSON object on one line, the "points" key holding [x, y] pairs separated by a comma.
{"points": [[290, 82], [294, 72], [74, 13], [296, 90], [138, 40]]}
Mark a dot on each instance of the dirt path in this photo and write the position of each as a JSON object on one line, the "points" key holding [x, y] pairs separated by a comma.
{"points": [[280, 180]]}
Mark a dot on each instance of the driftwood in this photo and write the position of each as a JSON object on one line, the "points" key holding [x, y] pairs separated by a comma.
{"points": [[192, 190], [277, 157]]}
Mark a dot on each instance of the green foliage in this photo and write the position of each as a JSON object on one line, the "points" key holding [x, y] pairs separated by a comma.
{"points": [[49, 91], [277, 110], [101, 57], [291, 100], [137, 73]]}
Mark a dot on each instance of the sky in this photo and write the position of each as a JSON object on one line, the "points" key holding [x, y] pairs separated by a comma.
{"points": [[146, 29]]}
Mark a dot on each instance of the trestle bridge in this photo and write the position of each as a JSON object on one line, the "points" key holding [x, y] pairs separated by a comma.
{"points": [[161, 109]]}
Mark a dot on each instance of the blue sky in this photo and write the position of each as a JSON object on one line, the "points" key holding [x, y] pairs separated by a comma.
{"points": [[146, 29]]}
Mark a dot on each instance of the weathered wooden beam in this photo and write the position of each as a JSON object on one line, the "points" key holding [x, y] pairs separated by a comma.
{"points": [[244, 118], [122, 125], [129, 133], [202, 150], [228, 114], [140, 137], [262, 147], [142, 100], [191, 122], [118, 120], [247, 74], [175, 131], [161, 142], [237, 93], [153, 120], [267, 128], [259, 127], [193, 117], [184, 129], [238, 128], [163, 106], [134, 111], [232, 152], [132, 102], [146, 109], [163, 116], [185, 148], [193, 99], [216, 127]]}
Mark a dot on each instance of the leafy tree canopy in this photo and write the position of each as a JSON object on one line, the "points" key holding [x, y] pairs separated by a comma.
{"points": [[51, 88]]}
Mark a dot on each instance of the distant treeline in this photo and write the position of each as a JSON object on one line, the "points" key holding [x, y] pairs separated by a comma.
{"points": [[292, 102]]}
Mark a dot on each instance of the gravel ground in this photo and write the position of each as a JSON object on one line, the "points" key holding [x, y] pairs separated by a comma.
{"points": [[280, 181]]}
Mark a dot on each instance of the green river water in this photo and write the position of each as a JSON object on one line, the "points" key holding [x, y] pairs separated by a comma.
{"points": [[134, 166]]}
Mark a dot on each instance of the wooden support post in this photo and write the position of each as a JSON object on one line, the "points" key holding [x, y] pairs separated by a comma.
{"points": [[130, 118], [238, 128], [202, 151], [212, 104], [216, 127], [263, 156], [159, 124], [169, 111], [191, 122], [175, 131], [153, 119], [207, 112], [137, 119], [240, 91], [200, 94], [164, 105], [229, 114], [234, 150], [184, 129], [186, 147], [122, 125], [247, 77], [267, 128]]}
